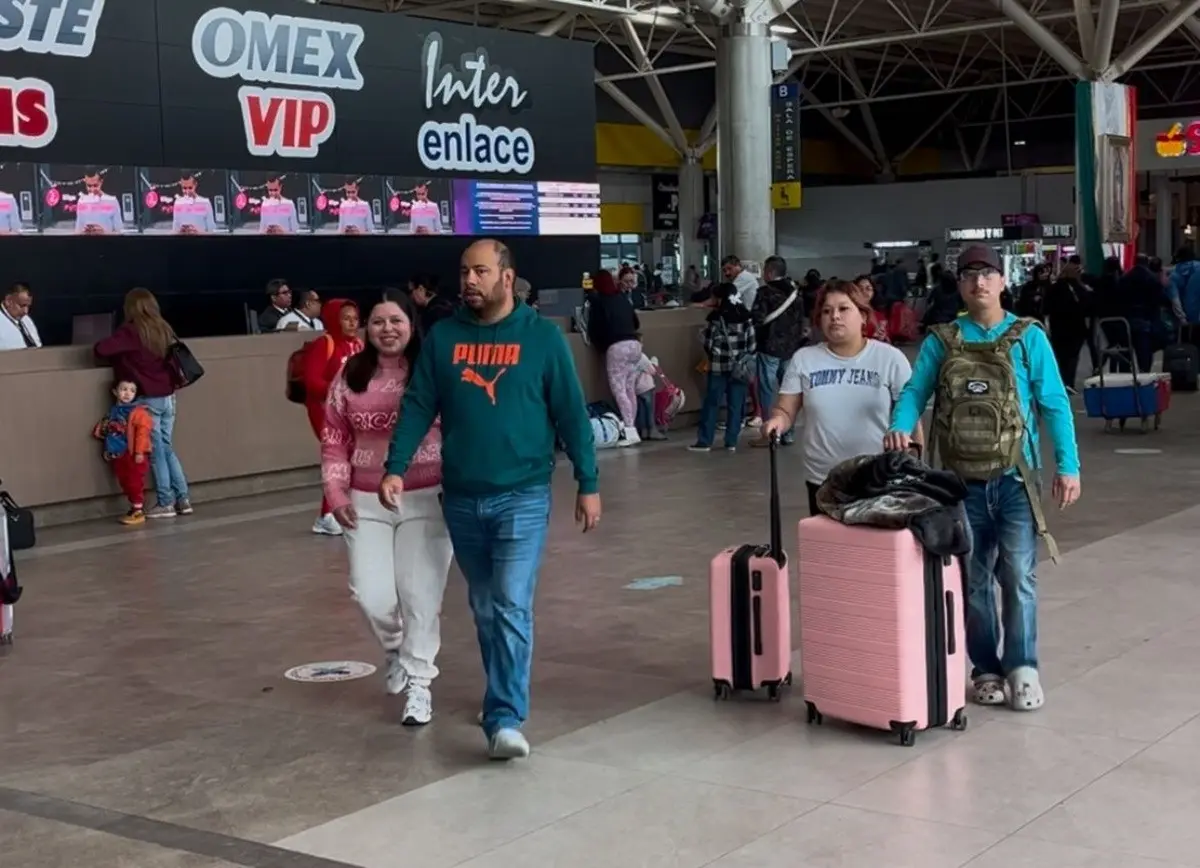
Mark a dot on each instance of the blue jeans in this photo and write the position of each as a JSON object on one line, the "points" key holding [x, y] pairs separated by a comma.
{"points": [[645, 413], [1004, 552], [498, 542], [734, 392], [770, 378], [170, 484]]}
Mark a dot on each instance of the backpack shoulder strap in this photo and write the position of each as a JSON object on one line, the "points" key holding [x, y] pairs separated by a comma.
{"points": [[949, 334], [1013, 334]]}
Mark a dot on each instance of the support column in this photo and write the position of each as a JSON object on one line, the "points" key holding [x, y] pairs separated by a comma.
{"points": [[691, 208], [1164, 237], [745, 219]]}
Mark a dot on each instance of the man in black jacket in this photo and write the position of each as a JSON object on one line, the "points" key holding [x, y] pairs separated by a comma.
{"points": [[778, 313], [433, 304]]}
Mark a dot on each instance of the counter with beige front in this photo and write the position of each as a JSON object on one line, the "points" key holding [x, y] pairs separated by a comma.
{"points": [[236, 433]]}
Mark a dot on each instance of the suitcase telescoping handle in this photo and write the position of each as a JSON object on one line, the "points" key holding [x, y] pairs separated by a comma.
{"points": [[776, 521]]}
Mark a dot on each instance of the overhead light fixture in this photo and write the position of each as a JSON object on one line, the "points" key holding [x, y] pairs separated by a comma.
{"points": [[1019, 143], [666, 10], [783, 29], [839, 112]]}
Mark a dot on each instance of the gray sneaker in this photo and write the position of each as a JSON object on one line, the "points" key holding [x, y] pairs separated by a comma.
{"points": [[508, 744], [161, 511], [183, 506]]}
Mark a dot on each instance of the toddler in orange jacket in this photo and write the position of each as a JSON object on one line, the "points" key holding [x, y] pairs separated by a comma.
{"points": [[125, 431]]}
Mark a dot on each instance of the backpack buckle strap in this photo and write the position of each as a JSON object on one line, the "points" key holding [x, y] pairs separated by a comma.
{"points": [[1035, 506]]}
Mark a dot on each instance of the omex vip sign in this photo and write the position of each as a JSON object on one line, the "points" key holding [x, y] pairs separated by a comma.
{"points": [[67, 28], [300, 57]]}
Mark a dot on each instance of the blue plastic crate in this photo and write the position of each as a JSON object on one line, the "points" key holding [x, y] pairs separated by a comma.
{"points": [[1119, 399]]}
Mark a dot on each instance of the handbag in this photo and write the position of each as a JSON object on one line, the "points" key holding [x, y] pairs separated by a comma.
{"points": [[18, 524], [185, 368]]}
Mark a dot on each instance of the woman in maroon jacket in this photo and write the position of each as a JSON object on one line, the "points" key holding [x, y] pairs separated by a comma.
{"points": [[137, 352]]}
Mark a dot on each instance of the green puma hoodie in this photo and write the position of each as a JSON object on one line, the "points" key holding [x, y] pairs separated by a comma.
{"points": [[503, 392]]}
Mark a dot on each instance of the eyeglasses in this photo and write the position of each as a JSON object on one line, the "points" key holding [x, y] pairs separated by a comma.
{"points": [[972, 274]]}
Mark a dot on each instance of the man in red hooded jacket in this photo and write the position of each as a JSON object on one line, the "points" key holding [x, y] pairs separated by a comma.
{"points": [[323, 358]]}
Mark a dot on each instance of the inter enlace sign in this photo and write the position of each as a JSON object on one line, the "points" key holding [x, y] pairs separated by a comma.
{"points": [[466, 144], [65, 28], [281, 50]]}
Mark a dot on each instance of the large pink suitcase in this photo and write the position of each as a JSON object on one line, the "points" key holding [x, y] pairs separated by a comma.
{"points": [[750, 612], [882, 639]]}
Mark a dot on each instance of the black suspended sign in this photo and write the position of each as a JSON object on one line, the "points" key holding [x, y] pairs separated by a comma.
{"points": [[278, 85], [664, 201], [785, 133]]}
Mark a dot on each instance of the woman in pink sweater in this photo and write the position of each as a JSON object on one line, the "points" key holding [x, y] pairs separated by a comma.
{"points": [[398, 560]]}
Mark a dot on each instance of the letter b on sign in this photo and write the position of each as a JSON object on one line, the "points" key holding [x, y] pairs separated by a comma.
{"points": [[286, 123]]}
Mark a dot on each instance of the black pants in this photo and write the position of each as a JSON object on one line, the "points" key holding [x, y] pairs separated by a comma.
{"points": [[1092, 344], [812, 498], [1067, 348]]}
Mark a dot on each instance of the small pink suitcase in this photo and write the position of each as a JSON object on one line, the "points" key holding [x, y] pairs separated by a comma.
{"points": [[882, 639], [750, 612]]}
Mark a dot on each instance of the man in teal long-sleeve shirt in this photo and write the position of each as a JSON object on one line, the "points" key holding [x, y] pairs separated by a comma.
{"points": [[1003, 506], [504, 383]]}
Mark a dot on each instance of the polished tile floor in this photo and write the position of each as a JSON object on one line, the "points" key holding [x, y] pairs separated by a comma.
{"points": [[145, 720]]}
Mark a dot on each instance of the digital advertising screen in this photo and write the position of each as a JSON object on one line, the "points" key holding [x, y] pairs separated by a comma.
{"points": [[269, 203], [495, 208], [87, 200], [183, 201], [18, 198], [347, 204], [420, 206], [568, 208]]}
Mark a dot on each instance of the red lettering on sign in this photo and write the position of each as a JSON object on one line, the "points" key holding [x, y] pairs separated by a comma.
{"points": [[28, 118], [1192, 137], [285, 123]]}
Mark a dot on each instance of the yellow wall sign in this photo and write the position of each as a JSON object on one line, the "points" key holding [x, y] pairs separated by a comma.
{"points": [[785, 196]]}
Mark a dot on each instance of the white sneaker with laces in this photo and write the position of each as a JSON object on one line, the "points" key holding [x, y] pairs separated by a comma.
{"points": [[397, 677], [418, 706], [629, 437], [327, 525], [508, 744]]}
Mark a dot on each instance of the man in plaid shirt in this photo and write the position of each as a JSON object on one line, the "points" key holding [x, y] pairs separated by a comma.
{"points": [[729, 341]]}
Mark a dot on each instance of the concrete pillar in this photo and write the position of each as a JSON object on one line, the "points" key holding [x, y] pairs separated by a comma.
{"points": [[1163, 234], [745, 220], [691, 209]]}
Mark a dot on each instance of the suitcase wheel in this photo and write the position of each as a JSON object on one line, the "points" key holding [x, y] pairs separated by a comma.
{"points": [[814, 716], [775, 692], [722, 690], [787, 680], [906, 731], [959, 723]]}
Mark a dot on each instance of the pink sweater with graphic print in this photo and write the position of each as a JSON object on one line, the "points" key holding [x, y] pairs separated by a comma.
{"points": [[358, 431]]}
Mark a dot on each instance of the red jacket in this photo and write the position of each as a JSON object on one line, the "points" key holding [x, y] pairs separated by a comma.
{"points": [[324, 357], [131, 361]]}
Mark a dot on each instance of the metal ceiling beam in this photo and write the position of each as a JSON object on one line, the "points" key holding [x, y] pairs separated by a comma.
{"points": [[981, 151], [638, 113], [1042, 37], [1106, 31], [674, 127], [899, 158], [654, 72], [881, 156], [1151, 39], [908, 36], [1192, 25], [1085, 23], [552, 28], [847, 133]]}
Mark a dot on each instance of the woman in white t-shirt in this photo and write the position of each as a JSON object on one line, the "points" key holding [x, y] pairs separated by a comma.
{"points": [[846, 385]]}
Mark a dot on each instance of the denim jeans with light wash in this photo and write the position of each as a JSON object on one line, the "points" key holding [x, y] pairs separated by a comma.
{"points": [[770, 378], [734, 392], [645, 413], [498, 541], [1004, 553], [169, 481]]}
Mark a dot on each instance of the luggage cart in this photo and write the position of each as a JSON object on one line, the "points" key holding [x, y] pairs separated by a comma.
{"points": [[1117, 397], [16, 532]]}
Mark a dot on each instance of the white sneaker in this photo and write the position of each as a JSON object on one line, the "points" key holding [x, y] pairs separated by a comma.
{"points": [[397, 678], [629, 437], [508, 744], [418, 707], [1025, 689], [327, 525]]}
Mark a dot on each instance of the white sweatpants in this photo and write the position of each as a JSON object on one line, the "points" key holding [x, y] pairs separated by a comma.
{"points": [[398, 566]]}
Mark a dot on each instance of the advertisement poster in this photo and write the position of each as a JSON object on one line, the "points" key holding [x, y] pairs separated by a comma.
{"points": [[269, 203], [568, 208], [183, 201], [87, 200], [420, 206], [347, 204], [18, 198]]}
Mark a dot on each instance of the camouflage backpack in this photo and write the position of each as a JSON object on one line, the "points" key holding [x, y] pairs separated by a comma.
{"points": [[978, 425]]}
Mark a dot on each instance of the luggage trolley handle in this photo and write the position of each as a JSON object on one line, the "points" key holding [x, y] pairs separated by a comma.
{"points": [[776, 520]]}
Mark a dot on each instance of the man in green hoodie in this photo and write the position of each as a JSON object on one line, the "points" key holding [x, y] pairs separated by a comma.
{"points": [[504, 383]]}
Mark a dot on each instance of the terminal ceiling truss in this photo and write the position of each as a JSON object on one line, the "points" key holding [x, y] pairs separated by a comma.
{"points": [[886, 75]]}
